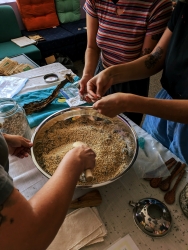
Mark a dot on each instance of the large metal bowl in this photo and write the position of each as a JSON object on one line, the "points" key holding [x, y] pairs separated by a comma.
{"points": [[70, 113]]}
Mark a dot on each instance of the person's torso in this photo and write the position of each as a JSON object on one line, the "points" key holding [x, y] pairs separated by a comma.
{"points": [[175, 73], [120, 36], [3, 153]]}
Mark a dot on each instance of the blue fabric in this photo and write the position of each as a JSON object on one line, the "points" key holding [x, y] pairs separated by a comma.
{"points": [[172, 135], [36, 118]]}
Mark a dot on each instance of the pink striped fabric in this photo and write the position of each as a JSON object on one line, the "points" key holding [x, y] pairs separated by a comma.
{"points": [[120, 37]]}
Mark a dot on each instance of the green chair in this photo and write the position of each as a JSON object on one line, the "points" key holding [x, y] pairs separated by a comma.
{"points": [[9, 29]]}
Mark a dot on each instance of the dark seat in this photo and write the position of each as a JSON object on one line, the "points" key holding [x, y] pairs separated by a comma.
{"points": [[57, 40], [78, 29], [69, 39]]}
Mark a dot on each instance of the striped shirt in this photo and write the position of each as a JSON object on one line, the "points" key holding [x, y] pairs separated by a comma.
{"points": [[121, 37]]}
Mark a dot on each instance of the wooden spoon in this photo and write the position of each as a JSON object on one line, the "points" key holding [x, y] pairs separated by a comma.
{"points": [[91, 199], [165, 184], [170, 195], [154, 183]]}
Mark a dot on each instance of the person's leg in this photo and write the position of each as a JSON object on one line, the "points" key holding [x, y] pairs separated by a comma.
{"points": [[158, 127], [170, 134], [179, 144]]}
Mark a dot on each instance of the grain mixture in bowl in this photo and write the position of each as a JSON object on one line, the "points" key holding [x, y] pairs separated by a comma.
{"points": [[114, 147]]}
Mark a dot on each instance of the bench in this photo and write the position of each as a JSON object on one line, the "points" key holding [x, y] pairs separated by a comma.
{"points": [[69, 39]]}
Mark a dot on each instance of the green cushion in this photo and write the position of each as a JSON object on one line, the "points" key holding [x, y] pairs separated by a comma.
{"points": [[9, 49], [9, 27], [68, 10]]}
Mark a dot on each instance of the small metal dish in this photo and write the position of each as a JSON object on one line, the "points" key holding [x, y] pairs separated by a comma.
{"points": [[51, 78], [152, 217]]}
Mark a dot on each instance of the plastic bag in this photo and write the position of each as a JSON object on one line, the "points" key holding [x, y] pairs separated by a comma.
{"points": [[71, 92], [10, 86], [149, 163]]}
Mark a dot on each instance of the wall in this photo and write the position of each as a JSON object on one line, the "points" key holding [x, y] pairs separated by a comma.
{"points": [[83, 14], [13, 4]]}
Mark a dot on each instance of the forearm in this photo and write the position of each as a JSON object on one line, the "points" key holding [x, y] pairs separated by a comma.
{"points": [[174, 110], [143, 67], [36, 224], [91, 61], [54, 198], [133, 70]]}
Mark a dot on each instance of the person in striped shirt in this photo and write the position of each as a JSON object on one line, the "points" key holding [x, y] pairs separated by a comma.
{"points": [[166, 117], [120, 32]]}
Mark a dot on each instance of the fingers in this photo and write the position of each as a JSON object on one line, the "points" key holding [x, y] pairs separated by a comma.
{"points": [[21, 152], [26, 143], [87, 156]]}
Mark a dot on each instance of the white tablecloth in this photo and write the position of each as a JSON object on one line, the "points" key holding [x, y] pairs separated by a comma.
{"points": [[115, 210]]}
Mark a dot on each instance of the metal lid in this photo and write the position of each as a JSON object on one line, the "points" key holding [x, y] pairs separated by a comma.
{"points": [[152, 217]]}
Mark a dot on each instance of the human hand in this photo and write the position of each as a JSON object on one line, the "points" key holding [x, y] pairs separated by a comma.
{"points": [[112, 105], [18, 145], [83, 85], [81, 157], [98, 85]]}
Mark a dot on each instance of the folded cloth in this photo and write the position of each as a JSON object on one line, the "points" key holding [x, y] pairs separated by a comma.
{"points": [[59, 103], [81, 228]]}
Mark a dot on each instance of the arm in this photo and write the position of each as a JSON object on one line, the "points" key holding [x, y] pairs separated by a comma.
{"points": [[112, 105], [92, 53], [33, 224], [150, 41], [141, 68]]}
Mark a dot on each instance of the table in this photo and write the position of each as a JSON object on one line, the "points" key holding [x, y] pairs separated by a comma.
{"points": [[115, 210]]}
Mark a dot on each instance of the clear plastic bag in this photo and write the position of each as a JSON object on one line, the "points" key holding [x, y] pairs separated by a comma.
{"points": [[10, 86], [149, 163], [71, 92]]}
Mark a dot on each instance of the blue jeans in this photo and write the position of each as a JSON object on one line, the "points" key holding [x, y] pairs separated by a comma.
{"points": [[172, 135]]}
